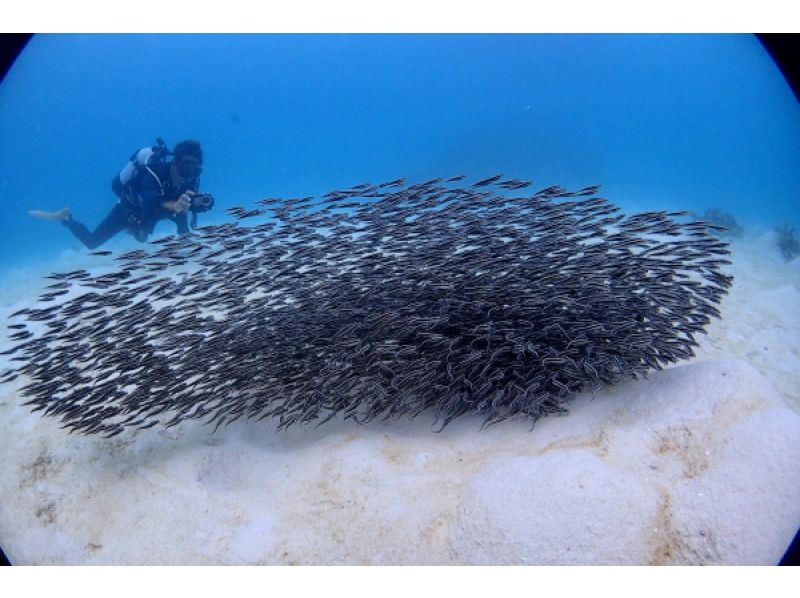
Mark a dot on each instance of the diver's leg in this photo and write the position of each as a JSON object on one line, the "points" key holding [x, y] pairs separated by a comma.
{"points": [[110, 226]]}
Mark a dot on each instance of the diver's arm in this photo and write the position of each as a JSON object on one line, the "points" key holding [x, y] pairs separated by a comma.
{"points": [[182, 222], [152, 200]]}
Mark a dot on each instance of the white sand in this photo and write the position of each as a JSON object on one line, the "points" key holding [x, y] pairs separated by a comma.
{"points": [[695, 465]]}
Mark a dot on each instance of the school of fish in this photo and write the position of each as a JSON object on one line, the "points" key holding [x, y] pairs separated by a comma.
{"points": [[377, 301]]}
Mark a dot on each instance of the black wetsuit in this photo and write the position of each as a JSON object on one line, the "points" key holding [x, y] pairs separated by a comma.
{"points": [[139, 208]]}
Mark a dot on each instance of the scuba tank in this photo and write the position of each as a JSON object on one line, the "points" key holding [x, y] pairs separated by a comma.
{"points": [[138, 161]]}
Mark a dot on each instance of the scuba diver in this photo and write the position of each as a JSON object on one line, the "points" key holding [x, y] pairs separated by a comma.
{"points": [[149, 189]]}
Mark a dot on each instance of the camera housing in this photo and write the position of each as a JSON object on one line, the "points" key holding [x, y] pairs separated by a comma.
{"points": [[202, 202]]}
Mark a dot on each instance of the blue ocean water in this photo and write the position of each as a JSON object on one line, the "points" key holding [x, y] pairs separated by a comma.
{"points": [[661, 121]]}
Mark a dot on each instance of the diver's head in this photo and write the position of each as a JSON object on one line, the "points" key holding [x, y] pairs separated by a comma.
{"points": [[188, 162]]}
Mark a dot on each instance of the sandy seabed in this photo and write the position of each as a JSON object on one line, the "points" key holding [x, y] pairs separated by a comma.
{"points": [[394, 493]]}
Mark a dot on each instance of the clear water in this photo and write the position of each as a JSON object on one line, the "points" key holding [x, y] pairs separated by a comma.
{"points": [[688, 121]]}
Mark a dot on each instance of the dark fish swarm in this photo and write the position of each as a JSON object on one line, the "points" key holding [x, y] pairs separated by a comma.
{"points": [[377, 301]]}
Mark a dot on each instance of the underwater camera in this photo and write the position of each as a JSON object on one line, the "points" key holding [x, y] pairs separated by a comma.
{"points": [[202, 202]]}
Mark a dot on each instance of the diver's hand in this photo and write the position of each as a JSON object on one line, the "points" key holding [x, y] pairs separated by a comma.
{"points": [[184, 202], [180, 205]]}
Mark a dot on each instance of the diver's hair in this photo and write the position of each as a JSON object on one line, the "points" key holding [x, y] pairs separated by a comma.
{"points": [[189, 147]]}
